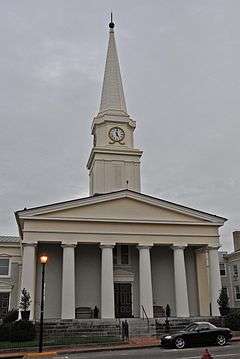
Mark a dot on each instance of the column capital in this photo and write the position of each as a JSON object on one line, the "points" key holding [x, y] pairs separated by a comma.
{"points": [[144, 246], [179, 246], [202, 249], [107, 245], [213, 247], [29, 244], [68, 245]]}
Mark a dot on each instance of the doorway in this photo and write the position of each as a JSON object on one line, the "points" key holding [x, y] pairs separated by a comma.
{"points": [[123, 300]]}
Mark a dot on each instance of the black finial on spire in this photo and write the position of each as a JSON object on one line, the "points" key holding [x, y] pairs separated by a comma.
{"points": [[111, 24]]}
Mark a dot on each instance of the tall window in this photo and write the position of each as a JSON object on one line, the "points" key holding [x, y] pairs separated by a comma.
{"points": [[222, 269], [121, 255], [237, 292], [235, 270], [4, 266]]}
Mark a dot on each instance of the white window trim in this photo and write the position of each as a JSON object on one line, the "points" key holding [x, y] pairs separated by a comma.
{"points": [[235, 293], [225, 268], [9, 267], [2, 290], [235, 276], [119, 264]]}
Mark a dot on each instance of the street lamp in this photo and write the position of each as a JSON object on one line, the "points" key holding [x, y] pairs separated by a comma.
{"points": [[43, 260]]}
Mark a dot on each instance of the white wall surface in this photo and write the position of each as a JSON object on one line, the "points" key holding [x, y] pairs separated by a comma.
{"points": [[191, 274], [163, 277], [88, 278], [53, 280]]}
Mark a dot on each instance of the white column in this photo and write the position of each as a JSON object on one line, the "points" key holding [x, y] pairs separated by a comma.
{"points": [[68, 281], [145, 281], [29, 273], [214, 279], [107, 286], [181, 292]]}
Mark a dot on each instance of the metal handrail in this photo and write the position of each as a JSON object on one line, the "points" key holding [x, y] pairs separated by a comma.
{"points": [[144, 312]]}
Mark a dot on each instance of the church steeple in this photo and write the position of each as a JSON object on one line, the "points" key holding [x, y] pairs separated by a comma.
{"points": [[112, 98], [114, 163]]}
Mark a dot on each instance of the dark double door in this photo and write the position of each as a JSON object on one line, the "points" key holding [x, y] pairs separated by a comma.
{"points": [[123, 300]]}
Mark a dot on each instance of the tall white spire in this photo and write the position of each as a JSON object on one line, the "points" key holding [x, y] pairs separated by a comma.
{"points": [[112, 98], [114, 162]]}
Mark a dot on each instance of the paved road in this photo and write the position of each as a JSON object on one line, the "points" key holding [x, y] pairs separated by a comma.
{"points": [[227, 352]]}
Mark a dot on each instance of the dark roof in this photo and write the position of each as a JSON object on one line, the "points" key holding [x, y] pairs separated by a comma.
{"points": [[9, 239]]}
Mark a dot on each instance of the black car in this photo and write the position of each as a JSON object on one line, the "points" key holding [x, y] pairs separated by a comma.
{"points": [[197, 333]]}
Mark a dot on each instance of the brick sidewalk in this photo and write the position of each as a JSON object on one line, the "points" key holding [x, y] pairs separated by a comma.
{"points": [[134, 343]]}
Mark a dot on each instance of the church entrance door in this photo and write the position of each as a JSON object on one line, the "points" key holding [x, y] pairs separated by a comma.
{"points": [[123, 300]]}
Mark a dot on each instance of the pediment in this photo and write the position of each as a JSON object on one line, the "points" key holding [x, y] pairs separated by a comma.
{"points": [[123, 206]]}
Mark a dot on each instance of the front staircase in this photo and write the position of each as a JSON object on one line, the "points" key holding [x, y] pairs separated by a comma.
{"points": [[138, 328], [141, 327]]}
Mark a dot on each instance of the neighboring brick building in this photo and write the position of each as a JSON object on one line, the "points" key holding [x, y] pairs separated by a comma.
{"points": [[230, 271], [10, 273]]}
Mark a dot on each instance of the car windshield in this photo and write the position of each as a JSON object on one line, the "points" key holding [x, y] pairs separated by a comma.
{"points": [[191, 328], [194, 326], [212, 326]]}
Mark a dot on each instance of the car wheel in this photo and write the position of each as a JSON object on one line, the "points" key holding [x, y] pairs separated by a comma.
{"points": [[221, 340], [180, 343]]}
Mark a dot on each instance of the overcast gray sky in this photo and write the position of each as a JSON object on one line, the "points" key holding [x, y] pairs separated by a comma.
{"points": [[180, 67]]}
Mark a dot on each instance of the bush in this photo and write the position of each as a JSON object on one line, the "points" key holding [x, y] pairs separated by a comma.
{"points": [[232, 320], [22, 331], [223, 302], [11, 316], [4, 332], [25, 300]]}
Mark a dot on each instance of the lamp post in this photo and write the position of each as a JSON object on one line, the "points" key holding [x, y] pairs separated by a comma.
{"points": [[43, 260]]}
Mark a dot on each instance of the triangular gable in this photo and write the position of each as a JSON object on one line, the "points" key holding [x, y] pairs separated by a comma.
{"points": [[122, 205]]}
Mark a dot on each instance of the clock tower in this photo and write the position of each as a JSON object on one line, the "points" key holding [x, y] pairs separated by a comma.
{"points": [[114, 163]]}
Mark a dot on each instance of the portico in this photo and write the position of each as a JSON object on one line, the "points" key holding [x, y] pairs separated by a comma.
{"points": [[158, 258]]}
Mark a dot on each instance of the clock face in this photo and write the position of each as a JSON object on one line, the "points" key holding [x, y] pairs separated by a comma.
{"points": [[116, 134]]}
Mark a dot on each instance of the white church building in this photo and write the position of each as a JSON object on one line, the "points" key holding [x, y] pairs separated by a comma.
{"points": [[121, 250]]}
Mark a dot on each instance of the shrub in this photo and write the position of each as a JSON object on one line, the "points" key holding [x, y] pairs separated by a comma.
{"points": [[22, 331], [11, 316], [4, 332], [223, 302], [232, 320], [25, 300]]}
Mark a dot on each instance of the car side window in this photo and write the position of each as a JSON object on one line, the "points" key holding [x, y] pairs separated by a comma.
{"points": [[192, 328], [203, 327]]}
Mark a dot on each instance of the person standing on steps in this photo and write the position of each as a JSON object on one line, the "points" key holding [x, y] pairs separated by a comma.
{"points": [[125, 330]]}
